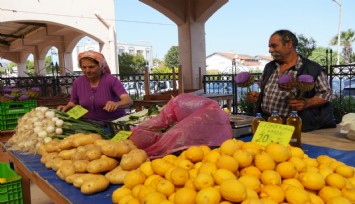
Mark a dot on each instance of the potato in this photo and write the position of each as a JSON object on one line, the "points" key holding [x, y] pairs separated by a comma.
{"points": [[51, 162], [133, 159], [94, 185], [66, 143], [80, 166], [67, 154], [48, 157], [116, 175], [85, 139], [93, 153], [115, 149], [59, 163], [42, 150], [130, 144], [101, 142], [79, 155], [70, 178], [103, 164], [52, 146], [79, 180], [85, 147], [65, 170]]}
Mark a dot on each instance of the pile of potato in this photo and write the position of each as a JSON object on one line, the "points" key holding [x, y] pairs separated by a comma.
{"points": [[91, 163]]}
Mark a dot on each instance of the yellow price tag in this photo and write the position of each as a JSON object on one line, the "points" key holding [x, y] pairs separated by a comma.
{"points": [[121, 135], [272, 132], [77, 111]]}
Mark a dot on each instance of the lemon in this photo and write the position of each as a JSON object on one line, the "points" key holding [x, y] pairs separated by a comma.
{"points": [[146, 168], [244, 158], [203, 181], [165, 187], [233, 190], [193, 173], [345, 170], [268, 200], [339, 200], [328, 192], [205, 149], [153, 180], [126, 199], [185, 196], [325, 170], [153, 198], [212, 156], [252, 147], [310, 162], [250, 170], [264, 161], [136, 189], [349, 193], [184, 163], [194, 154], [227, 162], [179, 176], [221, 175], [209, 195], [252, 201], [225, 202], [170, 158], [134, 177], [119, 193], [324, 159], [312, 180], [278, 152], [250, 182], [335, 180], [299, 163], [166, 202], [273, 192], [295, 195], [160, 166], [144, 190], [291, 182], [286, 170], [207, 168], [251, 193], [270, 177], [228, 147], [189, 184], [315, 199], [296, 152]]}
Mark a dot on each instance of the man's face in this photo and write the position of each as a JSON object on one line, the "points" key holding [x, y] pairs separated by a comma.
{"points": [[278, 50]]}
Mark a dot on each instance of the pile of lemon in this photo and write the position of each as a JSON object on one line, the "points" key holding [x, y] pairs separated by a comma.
{"points": [[239, 172]]}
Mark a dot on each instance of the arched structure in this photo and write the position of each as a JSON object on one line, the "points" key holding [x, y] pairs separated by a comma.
{"points": [[190, 16], [33, 27]]}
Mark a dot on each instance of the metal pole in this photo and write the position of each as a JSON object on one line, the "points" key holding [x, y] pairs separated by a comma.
{"points": [[339, 29]]}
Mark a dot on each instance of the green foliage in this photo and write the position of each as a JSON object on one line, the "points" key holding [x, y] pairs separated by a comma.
{"points": [[48, 65], [319, 55], [30, 67], [172, 57], [343, 105], [246, 107], [346, 39], [163, 70], [131, 64], [305, 45]]}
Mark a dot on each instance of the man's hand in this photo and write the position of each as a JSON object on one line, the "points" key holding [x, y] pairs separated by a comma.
{"points": [[297, 104]]}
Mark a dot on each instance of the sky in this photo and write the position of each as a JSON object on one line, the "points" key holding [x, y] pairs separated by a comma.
{"points": [[240, 26]]}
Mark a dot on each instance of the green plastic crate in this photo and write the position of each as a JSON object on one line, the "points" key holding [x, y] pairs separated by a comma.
{"points": [[17, 107], [10, 191]]}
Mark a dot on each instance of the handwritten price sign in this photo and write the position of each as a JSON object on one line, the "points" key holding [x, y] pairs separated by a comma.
{"points": [[121, 135], [77, 112], [272, 132]]}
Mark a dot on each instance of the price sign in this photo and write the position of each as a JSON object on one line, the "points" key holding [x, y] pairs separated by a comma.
{"points": [[272, 132], [77, 112], [121, 135]]}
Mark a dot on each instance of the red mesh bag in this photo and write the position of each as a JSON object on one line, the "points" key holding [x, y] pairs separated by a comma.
{"points": [[193, 120]]}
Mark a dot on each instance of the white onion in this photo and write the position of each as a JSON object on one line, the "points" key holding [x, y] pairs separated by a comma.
{"points": [[49, 114], [38, 123], [50, 129], [59, 131], [59, 123], [42, 134], [37, 129], [47, 139]]}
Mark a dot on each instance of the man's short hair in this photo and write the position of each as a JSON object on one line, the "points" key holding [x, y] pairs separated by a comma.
{"points": [[287, 36]]}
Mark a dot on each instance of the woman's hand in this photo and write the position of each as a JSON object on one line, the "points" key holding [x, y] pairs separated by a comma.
{"points": [[111, 106]]}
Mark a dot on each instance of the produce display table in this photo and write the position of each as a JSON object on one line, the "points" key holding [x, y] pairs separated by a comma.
{"points": [[31, 169], [321, 142]]}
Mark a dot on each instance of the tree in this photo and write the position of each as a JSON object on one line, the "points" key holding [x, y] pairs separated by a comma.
{"points": [[131, 64], [319, 55], [172, 57], [30, 67], [305, 45], [346, 39]]}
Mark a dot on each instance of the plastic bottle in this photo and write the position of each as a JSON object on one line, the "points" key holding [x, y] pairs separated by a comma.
{"points": [[254, 125], [275, 118], [295, 121]]}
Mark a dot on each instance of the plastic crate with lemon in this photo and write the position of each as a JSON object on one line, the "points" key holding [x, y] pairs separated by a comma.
{"points": [[11, 111], [10, 185]]}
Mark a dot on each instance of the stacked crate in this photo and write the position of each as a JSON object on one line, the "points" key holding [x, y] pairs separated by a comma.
{"points": [[11, 188], [11, 111]]}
